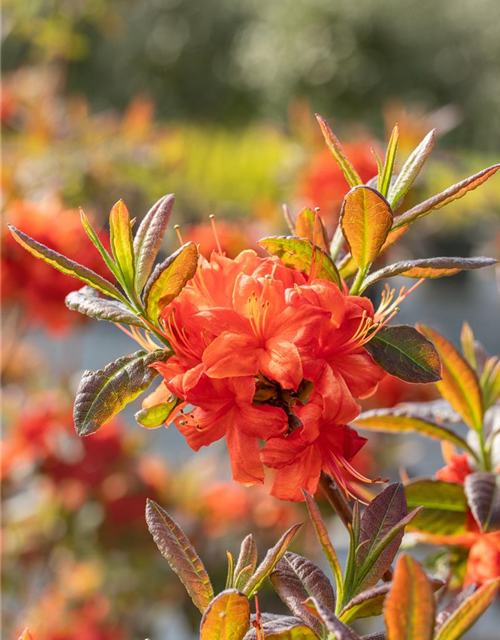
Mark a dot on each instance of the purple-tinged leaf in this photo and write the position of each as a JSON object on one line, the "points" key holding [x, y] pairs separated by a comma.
{"points": [[296, 579], [442, 199], [429, 268], [378, 635], [443, 615], [445, 506], [404, 352], [333, 624], [102, 394], [350, 173], [279, 627], [88, 302], [149, 238], [65, 265], [483, 496], [247, 561], [176, 548], [273, 556], [411, 169], [227, 617]]}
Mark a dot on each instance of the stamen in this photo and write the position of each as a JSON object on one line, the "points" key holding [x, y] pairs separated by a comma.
{"points": [[178, 232], [214, 229]]}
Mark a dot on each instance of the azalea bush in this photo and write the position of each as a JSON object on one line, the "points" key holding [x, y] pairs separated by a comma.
{"points": [[274, 354]]}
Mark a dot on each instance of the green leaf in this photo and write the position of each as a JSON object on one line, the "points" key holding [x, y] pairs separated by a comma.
{"points": [[169, 278], [299, 254], [459, 384], [176, 548], [273, 556], [483, 496], [445, 506], [490, 382], [411, 169], [429, 268], [366, 219], [404, 352], [94, 238], [468, 345], [326, 545], [149, 238], [227, 617], [121, 243], [310, 225], [442, 199], [350, 173], [102, 394], [384, 180], [462, 619], [155, 416], [410, 608], [400, 421], [87, 301], [247, 561], [65, 265], [295, 579]]}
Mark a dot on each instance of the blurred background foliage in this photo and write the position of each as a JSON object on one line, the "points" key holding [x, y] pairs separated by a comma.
{"points": [[215, 101]]}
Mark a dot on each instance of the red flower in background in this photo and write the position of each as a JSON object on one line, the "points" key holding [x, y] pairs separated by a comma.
{"points": [[40, 291]]}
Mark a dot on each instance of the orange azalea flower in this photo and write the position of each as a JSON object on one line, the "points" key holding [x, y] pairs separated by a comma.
{"points": [[265, 355]]}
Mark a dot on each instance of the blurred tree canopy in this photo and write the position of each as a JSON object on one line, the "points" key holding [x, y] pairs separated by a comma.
{"points": [[232, 62]]}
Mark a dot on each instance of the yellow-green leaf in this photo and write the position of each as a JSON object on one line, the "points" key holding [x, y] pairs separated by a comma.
{"points": [[366, 219], [65, 265], [459, 384], [445, 506], [155, 416], [350, 173], [169, 278], [409, 610], [400, 421], [227, 617], [302, 255], [384, 179], [462, 619], [122, 245]]}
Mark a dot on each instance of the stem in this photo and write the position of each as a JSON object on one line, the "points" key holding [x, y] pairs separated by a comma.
{"points": [[336, 498], [484, 452], [358, 282]]}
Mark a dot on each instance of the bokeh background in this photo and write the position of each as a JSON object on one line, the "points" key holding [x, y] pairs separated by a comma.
{"points": [[214, 101]]}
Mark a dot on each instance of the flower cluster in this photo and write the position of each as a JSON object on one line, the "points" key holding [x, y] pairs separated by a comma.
{"points": [[267, 354]]}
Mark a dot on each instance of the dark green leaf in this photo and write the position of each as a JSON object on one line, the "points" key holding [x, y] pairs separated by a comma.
{"points": [[87, 301], [149, 238], [65, 265], [102, 394], [299, 254], [176, 548], [404, 352]]}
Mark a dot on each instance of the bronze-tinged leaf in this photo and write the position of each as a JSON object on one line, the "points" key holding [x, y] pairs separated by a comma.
{"points": [[26, 635], [122, 246], [404, 352], [454, 192], [490, 381], [169, 278], [176, 548], [102, 394], [88, 302], [247, 561], [469, 611], [156, 415], [295, 579], [401, 421], [273, 556], [227, 617], [429, 268], [366, 219], [483, 496], [410, 608], [385, 176], [459, 384], [445, 506], [350, 173], [411, 169], [453, 604], [326, 545], [149, 238], [302, 255], [384, 513], [65, 265], [310, 225], [333, 625], [468, 348], [279, 627]]}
